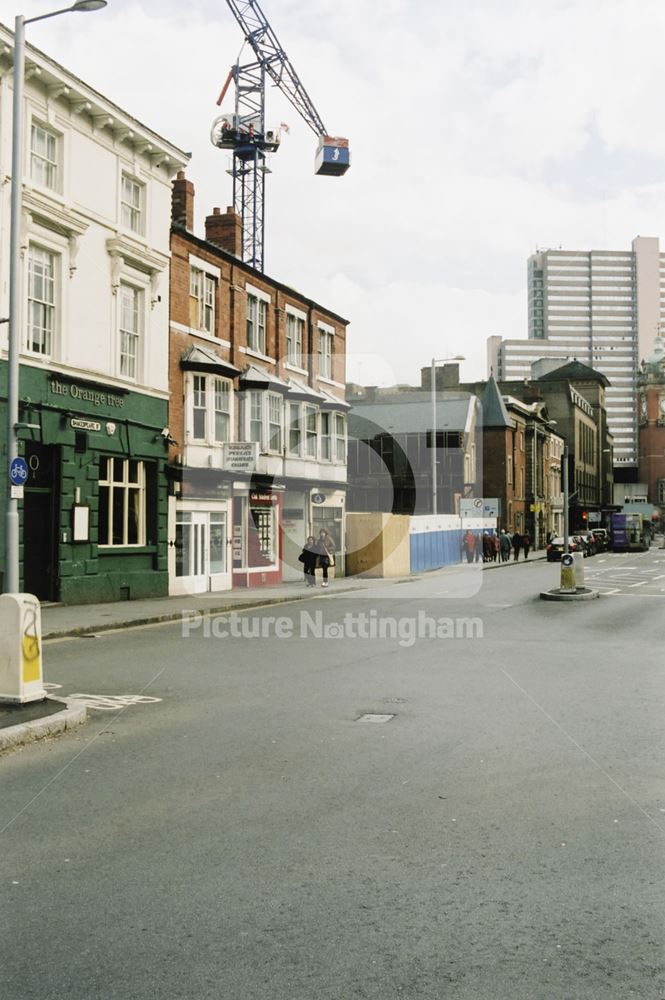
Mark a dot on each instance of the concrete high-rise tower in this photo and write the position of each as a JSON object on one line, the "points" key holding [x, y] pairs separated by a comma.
{"points": [[600, 307]]}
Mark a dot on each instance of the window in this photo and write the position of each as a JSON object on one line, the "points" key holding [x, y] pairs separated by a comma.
{"points": [[311, 431], [325, 352], [41, 301], [131, 204], [202, 293], [256, 324], [325, 437], [121, 502], [295, 435], [130, 330], [210, 419], [199, 408], [256, 418], [44, 156], [295, 332], [222, 400], [274, 422], [340, 438]]}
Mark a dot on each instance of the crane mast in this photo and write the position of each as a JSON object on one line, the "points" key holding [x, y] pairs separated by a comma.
{"points": [[245, 132]]}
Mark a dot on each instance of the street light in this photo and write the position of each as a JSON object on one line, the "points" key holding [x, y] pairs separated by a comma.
{"points": [[435, 362], [11, 581]]}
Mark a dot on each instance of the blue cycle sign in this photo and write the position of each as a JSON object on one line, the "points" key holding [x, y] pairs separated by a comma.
{"points": [[18, 472]]}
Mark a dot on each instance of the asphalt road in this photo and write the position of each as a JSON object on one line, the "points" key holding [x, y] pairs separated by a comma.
{"points": [[246, 837]]}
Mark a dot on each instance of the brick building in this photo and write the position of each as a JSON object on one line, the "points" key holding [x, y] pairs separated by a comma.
{"points": [[651, 396], [257, 413]]}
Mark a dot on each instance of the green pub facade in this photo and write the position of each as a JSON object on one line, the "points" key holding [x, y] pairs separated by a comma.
{"points": [[93, 517]]}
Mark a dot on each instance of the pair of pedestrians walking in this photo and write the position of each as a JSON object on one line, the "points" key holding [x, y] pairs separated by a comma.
{"points": [[319, 552]]}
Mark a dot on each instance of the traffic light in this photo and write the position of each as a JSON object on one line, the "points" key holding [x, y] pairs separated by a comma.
{"points": [[584, 515]]}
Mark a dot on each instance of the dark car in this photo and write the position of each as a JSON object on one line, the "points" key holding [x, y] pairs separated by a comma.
{"points": [[555, 547]]}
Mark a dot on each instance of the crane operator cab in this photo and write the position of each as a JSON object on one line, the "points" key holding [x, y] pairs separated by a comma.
{"points": [[333, 156], [228, 132]]}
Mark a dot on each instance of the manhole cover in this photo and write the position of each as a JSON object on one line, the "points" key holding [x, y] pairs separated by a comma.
{"points": [[372, 717]]}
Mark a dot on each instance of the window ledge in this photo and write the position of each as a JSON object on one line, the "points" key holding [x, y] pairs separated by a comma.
{"points": [[257, 354], [294, 368], [121, 550]]}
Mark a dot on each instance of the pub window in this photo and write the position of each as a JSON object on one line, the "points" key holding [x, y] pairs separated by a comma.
{"points": [[122, 502]]}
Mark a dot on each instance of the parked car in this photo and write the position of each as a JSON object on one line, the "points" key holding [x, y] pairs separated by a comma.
{"points": [[555, 548]]}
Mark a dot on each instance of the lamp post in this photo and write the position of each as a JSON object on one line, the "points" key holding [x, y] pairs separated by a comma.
{"points": [[435, 362], [11, 580]]}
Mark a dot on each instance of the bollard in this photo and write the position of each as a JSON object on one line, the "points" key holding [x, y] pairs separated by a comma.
{"points": [[568, 585], [20, 649], [578, 563]]}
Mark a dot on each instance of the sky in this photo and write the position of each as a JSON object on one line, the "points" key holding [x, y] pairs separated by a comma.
{"points": [[479, 131]]}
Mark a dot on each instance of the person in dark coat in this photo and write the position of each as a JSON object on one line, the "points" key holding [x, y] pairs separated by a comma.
{"points": [[325, 548], [308, 558], [526, 544], [488, 547], [505, 544], [517, 545]]}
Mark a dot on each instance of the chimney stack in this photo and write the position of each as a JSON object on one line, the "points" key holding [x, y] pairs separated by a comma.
{"points": [[225, 231], [182, 202]]}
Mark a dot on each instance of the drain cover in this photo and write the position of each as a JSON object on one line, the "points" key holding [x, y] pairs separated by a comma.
{"points": [[371, 717]]}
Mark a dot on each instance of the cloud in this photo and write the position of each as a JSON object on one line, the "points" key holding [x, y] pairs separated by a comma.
{"points": [[478, 131]]}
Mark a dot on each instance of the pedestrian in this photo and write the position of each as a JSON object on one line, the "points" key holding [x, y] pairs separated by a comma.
{"points": [[469, 544], [325, 548], [517, 544], [505, 543], [308, 558], [526, 544], [496, 547], [488, 547], [478, 556]]}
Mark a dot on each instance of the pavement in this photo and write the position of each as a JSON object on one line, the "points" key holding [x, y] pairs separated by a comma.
{"points": [[21, 724]]}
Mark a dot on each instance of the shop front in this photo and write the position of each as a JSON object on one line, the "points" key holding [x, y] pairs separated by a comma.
{"points": [[93, 510]]}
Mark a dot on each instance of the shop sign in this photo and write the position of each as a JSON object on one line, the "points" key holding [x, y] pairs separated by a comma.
{"points": [[85, 393], [240, 456], [258, 497], [84, 425]]}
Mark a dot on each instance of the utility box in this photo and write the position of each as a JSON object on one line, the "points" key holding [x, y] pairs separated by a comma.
{"points": [[20, 649], [333, 156]]}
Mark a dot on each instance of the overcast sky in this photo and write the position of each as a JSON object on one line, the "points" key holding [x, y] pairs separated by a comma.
{"points": [[479, 131]]}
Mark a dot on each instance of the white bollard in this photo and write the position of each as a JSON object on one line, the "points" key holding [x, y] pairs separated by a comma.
{"points": [[578, 563], [20, 649]]}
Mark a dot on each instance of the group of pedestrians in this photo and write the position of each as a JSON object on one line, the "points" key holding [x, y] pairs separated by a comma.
{"points": [[490, 547], [317, 552]]}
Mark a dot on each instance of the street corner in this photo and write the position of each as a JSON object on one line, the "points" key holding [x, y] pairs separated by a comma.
{"points": [[27, 723]]}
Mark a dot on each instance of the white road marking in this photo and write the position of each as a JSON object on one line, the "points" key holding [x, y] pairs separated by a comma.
{"points": [[111, 702], [643, 583]]}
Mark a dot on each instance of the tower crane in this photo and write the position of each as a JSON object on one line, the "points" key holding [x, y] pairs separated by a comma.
{"points": [[245, 133]]}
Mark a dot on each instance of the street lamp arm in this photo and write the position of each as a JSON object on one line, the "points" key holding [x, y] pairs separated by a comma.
{"points": [[80, 6]]}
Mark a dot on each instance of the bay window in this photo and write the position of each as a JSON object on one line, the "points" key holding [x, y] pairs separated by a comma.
{"points": [[324, 418], [295, 435], [210, 413]]}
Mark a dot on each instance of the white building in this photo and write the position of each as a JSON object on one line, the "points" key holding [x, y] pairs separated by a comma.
{"points": [[600, 307], [94, 333]]}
